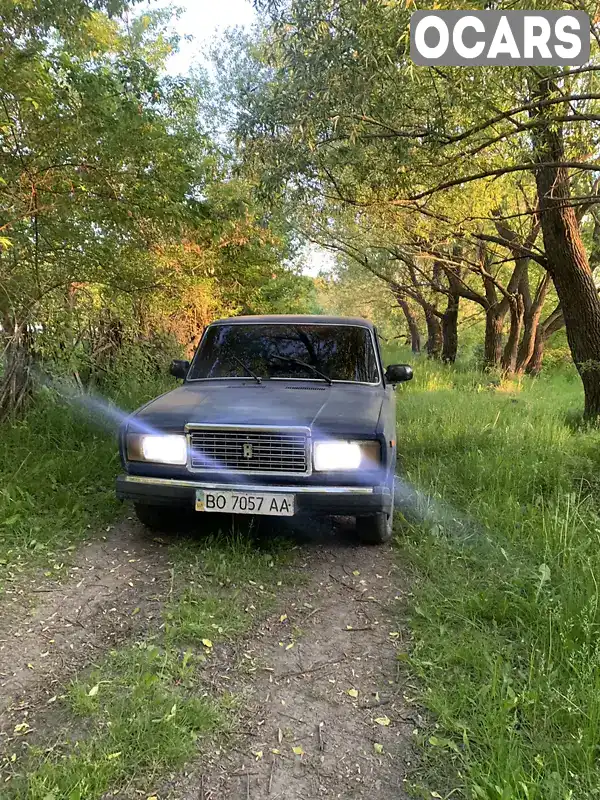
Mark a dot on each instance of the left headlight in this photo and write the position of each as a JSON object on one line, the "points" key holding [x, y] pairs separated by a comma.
{"points": [[334, 455], [160, 449]]}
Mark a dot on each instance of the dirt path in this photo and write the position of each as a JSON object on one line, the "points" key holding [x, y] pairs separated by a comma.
{"points": [[306, 733], [307, 736], [49, 630]]}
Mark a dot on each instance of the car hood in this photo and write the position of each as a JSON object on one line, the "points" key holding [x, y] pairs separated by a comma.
{"points": [[339, 408]]}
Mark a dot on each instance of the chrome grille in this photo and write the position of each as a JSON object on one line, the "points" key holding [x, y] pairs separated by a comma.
{"points": [[246, 450]]}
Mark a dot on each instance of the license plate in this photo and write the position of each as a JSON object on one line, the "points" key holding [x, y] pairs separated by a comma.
{"points": [[264, 503]]}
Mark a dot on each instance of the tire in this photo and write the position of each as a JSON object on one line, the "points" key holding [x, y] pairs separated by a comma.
{"points": [[376, 528], [156, 518]]}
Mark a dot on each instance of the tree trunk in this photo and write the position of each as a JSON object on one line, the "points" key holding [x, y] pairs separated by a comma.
{"points": [[509, 357], [567, 259], [534, 366], [531, 324], [434, 335], [450, 330], [15, 384], [492, 352], [554, 322], [411, 321]]}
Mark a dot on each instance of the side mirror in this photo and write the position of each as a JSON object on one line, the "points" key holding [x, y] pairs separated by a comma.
{"points": [[398, 373], [179, 368]]}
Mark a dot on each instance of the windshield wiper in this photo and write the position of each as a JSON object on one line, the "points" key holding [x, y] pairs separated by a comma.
{"points": [[300, 363], [256, 377]]}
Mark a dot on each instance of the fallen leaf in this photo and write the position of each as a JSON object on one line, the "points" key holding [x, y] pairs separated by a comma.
{"points": [[22, 727], [394, 634], [135, 611], [353, 692], [289, 646], [382, 720], [276, 752], [112, 756], [283, 618], [378, 748], [298, 751], [94, 690], [355, 572], [258, 754], [207, 643]]}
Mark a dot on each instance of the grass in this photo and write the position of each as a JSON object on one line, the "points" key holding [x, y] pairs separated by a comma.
{"points": [[504, 537], [57, 470], [144, 715], [147, 708]]}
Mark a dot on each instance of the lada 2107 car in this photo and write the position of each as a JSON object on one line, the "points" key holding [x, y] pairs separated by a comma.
{"points": [[277, 415]]}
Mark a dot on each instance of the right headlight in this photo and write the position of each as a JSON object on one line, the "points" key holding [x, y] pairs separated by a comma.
{"points": [[346, 455], [157, 448]]}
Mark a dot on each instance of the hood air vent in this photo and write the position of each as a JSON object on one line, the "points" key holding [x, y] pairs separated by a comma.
{"points": [[306, 388]]}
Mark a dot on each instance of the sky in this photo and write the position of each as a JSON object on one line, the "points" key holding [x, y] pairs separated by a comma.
{"points": [[200, 21]]}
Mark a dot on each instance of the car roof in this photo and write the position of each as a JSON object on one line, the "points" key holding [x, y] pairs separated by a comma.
{"points": [[295, 319]]}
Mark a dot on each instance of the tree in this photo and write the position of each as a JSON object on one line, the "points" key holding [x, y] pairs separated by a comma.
{"points": [[342, 113], [118, 213]]}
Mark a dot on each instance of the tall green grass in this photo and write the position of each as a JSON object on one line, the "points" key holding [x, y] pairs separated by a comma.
{"points": [[505, 536], [57, 470]]}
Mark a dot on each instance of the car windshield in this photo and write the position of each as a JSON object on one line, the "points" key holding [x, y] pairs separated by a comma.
{"points": [[301, 352]]}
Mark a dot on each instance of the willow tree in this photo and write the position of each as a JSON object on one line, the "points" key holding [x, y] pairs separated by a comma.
{"points": [[339, 109]]}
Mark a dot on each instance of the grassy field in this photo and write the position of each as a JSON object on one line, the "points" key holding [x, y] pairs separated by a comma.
{"points": [[504, 541], [502, 536], [57, 470]]}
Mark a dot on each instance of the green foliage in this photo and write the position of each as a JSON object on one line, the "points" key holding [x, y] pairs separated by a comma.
{"points": [[504, 534], [57, 468], [423, 177], [123, 221]]}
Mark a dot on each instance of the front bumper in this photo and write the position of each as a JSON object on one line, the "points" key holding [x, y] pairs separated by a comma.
{"points": [[325, 500]]}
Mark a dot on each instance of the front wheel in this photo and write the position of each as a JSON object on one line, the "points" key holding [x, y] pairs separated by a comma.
{"points": [[375, 529], [156, 518]]}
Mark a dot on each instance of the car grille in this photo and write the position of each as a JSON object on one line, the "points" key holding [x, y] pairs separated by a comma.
{"points": [[215, 450]]}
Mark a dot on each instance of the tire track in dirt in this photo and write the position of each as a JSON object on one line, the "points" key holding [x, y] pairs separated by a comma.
{"points": [[344, 627], [49, 629], [337, 631]]}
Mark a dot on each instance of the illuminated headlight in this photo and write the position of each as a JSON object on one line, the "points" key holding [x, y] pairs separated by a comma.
{"points": [[334, 455], [165, 449]]}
